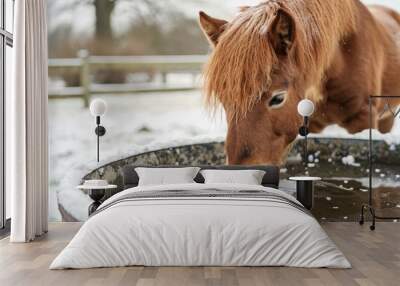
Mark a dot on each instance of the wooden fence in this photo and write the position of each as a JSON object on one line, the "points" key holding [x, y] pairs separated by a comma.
{"points": [[86, 64]]}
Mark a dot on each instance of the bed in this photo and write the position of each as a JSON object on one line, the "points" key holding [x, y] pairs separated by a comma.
{"points": [[201, 224]]}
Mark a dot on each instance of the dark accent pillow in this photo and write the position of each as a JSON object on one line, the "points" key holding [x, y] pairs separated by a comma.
{"points": [[270, 179]]}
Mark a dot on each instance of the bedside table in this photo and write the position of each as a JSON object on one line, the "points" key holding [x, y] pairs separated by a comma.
{"points": [[305, 190], [96, 194]]}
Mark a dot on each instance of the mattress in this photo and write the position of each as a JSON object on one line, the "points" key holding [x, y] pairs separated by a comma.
{"points": [[201, 225]]}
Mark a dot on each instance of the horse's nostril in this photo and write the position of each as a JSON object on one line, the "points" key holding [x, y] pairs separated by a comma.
{"points": [[239, 155], [245, 153]]}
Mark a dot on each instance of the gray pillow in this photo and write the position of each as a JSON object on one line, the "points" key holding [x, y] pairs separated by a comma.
{"points": [[245, 177], [166, 176]]}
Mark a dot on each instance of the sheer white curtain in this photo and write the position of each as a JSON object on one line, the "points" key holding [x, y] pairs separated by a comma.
{"points": [[26, 124]]}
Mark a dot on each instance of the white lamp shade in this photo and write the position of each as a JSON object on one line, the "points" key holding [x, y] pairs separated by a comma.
{"points": [[305, 108], [98, 107]]}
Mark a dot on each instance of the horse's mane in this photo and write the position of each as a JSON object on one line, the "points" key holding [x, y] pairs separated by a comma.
{"points": [[241, 65]]}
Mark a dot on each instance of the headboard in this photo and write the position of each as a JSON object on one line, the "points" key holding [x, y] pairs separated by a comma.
{"points": [[270, 179]]}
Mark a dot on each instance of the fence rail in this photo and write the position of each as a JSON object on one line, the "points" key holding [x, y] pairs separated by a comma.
{"points": [[86, 64]]}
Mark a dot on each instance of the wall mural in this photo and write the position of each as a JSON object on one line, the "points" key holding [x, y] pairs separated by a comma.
{"points": [[186, 90]]}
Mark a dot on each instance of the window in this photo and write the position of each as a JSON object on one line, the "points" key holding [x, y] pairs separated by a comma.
{"points": [[6, 44]]}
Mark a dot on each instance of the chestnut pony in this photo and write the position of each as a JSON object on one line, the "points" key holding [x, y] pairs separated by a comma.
{"points": [[271, 56]]}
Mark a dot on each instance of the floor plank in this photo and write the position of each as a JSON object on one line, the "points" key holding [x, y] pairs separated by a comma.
{"points": [[375, 257]]}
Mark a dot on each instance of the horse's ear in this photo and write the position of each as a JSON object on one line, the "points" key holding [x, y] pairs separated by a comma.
{"points": [[211, 27], [282, 33]]}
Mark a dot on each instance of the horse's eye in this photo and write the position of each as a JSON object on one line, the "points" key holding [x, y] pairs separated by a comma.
{"points": [[277, 99]]}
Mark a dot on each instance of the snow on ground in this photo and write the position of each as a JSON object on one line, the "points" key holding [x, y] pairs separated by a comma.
{"points": [[377, 182], [135, 124], [334, 131], [350, 161]]}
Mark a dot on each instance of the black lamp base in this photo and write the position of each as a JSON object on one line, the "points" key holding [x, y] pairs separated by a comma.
{"points": [[96, 196], [305, 193]]}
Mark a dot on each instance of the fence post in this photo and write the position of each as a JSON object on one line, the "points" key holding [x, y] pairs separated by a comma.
{"points": [[85, 76], [164, 77]]}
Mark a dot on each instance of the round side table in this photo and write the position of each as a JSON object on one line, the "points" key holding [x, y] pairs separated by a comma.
{"points": [[305, 190], [96, 194]]}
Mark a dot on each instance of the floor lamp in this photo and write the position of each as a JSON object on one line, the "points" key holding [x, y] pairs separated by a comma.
{"points": [[369, 206]]}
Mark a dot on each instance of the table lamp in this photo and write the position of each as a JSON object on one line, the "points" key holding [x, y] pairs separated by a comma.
{"points": [[305, 108], [98, 108]]}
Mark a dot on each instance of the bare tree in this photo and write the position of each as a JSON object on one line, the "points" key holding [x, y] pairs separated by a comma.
{"points": [[103, 14], [156, 27], [103, 10]]}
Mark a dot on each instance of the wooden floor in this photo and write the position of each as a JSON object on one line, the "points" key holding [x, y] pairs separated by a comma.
{"points": [[375, 257]]}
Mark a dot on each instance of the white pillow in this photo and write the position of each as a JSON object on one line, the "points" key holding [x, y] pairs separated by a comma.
{"points": [[166, 176], [247, 177]]}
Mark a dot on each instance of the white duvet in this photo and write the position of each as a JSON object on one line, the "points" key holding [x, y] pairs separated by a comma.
{"points": [[200, 232]]}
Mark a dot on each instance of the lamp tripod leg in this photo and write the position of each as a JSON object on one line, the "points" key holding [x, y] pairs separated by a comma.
{"points": [[361, 222]]}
